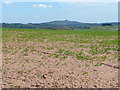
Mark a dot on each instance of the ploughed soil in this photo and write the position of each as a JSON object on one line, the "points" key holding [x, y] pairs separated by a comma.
{"points": [[32, 64]]}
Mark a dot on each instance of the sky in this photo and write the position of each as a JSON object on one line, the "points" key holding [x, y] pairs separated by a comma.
{"points": [[39, 12]]}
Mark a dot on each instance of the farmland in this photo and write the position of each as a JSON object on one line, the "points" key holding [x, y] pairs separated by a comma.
{"points": [[46, 58]]}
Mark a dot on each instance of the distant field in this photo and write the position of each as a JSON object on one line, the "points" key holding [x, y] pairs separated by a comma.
{"points": [[60, 58]]}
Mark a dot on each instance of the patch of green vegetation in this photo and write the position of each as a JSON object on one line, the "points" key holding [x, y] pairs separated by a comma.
{"points": [[50, 48], [55, 55], [82, 56], [87, 65], [103, 58], [84, 73], [98, 64], [60, 51], [64, 57], [68, 52]]}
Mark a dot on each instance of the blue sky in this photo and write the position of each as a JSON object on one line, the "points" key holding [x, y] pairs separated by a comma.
{"points": [[38, 12]]}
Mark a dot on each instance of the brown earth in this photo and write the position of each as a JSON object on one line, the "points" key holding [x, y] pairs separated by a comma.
{"points": [[38, 66]]}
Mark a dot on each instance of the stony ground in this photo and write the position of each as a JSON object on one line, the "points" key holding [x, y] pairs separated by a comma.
{"points": [[59, 64]]}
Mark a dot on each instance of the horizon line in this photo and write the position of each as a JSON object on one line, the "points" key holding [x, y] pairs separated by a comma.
{"points": [[63, 20]]}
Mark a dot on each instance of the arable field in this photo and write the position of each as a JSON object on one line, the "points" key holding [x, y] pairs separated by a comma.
{"points": [[60, 58]]}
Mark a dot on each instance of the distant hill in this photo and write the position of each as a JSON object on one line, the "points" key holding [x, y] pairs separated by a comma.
{"points": [[66, 23], [63, 24]]}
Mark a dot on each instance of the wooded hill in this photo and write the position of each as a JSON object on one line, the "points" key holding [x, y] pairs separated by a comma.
{"points": [[66, 25]]}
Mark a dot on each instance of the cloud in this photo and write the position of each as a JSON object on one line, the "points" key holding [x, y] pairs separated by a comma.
{"points": [[7, 2], [42, 6]]}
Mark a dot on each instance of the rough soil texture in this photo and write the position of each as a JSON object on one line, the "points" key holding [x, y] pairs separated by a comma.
{"points": [[34, 64]]}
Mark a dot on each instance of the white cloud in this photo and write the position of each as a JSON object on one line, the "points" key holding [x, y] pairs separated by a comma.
{"points": [[7, 2], [42, 6]]}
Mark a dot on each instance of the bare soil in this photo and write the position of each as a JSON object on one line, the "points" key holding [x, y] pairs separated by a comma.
{"points": [[37, 67]]}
